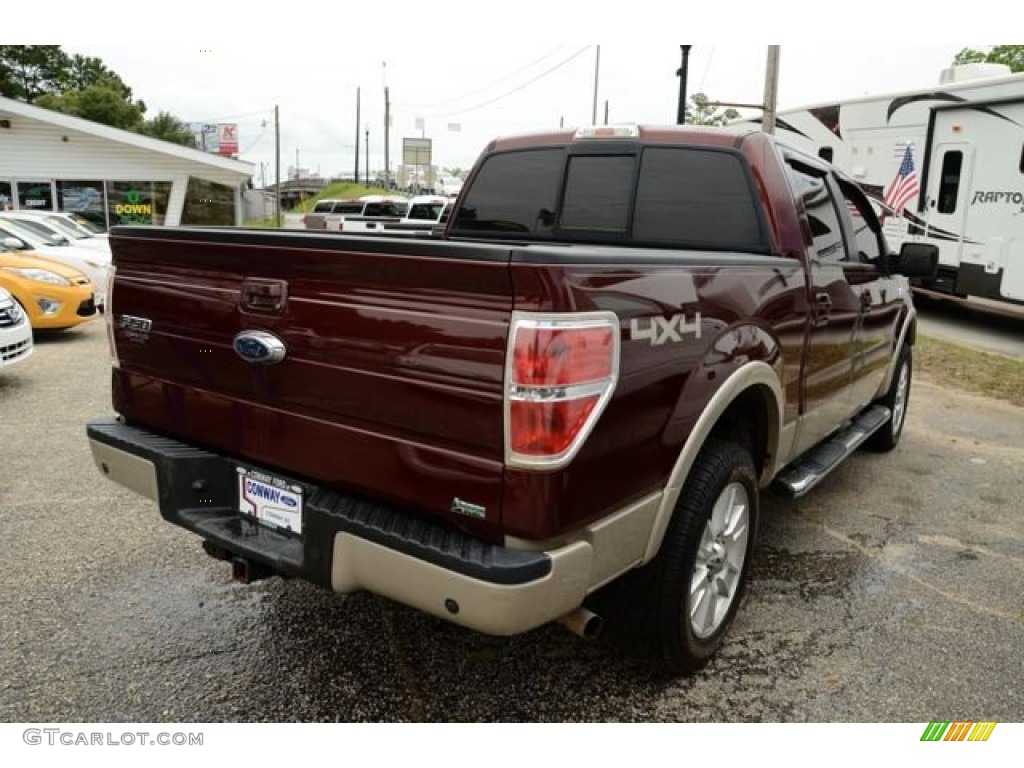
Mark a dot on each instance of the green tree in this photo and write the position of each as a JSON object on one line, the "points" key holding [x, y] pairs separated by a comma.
{"points": [[83, 71], [1010, 55], [101, 102], [167, 127], [29, 71], [700, 111]]}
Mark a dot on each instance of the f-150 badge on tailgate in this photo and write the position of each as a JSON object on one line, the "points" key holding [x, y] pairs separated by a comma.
{"points": [[135, 328], [260, 347]]}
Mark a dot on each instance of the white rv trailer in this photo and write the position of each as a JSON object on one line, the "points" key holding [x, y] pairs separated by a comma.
{"points": [[963, 187]]}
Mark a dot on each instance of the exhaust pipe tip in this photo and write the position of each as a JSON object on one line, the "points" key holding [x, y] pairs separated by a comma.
{"points": [[583, 622]]}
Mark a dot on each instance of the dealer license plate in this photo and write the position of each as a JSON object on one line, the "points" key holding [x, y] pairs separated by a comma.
{"points": [[273, 501]]}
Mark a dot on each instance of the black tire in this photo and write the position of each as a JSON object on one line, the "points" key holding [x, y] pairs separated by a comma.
{"points": [[662, 602], [896, 400]]}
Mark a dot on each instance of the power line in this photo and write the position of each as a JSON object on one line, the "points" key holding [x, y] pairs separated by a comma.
{"points": [[707, 68], [543, 74], [264, 112], [487, 87]]}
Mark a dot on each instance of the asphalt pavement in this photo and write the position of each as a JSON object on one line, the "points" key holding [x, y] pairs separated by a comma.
{"points": [[892, 592]]}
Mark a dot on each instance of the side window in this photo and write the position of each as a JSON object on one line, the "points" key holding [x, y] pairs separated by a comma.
{"points": [[514, 194], [822, 215], [949, 182], [865, 223], [597, 192], [826, 154], [324, 206]]}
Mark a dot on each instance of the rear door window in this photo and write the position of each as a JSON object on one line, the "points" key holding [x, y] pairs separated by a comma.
{"points": [[810, 186]]}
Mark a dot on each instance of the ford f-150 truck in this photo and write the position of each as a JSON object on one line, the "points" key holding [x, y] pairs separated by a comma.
{"points": [[623, 337]]}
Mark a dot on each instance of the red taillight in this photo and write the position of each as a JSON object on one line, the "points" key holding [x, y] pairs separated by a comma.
{"points": [[561, 372], [546, 357], [303, 219]]}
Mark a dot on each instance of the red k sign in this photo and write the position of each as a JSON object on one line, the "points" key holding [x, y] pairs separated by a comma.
{"points": [[227, 138]]}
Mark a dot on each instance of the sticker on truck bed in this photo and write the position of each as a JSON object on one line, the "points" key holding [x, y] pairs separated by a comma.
{"points": [[271, 500]]}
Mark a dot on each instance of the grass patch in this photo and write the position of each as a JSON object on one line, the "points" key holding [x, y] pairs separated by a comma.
{"points": [[980, 372]]}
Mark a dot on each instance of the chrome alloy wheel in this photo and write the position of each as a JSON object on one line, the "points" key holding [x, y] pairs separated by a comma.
{"points": [[899, 404], [719, 563]]}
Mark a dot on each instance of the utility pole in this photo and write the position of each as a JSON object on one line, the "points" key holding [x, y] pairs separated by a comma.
{"points": [[387, 138], [771, 90], [367, 154], [357, 137], [606, 111], [387, 125], [277, 166], [681, 74], [597, 72]]}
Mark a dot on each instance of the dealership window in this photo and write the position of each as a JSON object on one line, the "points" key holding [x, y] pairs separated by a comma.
{"points": [[35, 195], [85, 200], [137, 202], [6, 198], [208, 203]]}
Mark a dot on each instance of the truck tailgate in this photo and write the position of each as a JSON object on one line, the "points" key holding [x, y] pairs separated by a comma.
{"points": [[391, 382]]}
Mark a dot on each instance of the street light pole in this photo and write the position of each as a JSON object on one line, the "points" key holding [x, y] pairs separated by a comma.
{"points": [[681, 74]]}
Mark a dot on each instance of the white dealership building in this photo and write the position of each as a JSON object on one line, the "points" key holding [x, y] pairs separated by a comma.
{"points": [[52, 161]]}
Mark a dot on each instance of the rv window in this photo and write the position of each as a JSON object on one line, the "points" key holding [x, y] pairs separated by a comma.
{"points": [[949, 183]]}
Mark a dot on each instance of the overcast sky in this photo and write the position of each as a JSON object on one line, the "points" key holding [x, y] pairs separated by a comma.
{"points": [[485, 67]]}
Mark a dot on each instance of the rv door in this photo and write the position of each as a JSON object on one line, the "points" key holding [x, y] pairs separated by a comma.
{"points": [[949, 185]]}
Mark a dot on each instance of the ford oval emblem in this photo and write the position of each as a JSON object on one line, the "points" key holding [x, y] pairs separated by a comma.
{"points": [[260, 347]]}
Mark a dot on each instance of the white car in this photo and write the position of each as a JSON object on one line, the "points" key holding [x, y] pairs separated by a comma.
{"points": [[51, 223], [17, 236], [15, 331]]}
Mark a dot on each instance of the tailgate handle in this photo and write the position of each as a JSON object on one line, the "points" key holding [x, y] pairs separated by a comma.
{"points": [[264, 295]]}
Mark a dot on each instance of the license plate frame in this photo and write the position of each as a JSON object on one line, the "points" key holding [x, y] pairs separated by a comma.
{"points": [[271, 500]]}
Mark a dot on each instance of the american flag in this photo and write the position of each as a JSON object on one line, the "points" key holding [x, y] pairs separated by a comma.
{"points": [[904, 187]]}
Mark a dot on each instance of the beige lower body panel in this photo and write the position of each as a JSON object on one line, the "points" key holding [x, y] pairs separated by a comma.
{"points": [[129, 470], [496, 609]]}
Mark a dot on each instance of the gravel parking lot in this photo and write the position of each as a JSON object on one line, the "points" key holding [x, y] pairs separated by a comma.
{"points": [[890, 593]]}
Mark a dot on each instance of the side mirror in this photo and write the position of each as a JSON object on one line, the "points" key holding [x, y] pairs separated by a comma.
{"points": [[917, 260], [13, 244]]}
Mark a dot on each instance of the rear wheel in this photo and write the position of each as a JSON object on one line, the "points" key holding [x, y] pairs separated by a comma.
{"points": [[896, 400], [682, 603]]}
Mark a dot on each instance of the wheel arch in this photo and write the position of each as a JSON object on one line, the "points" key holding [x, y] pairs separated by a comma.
{"points": [[749, 403], [907, 335]]}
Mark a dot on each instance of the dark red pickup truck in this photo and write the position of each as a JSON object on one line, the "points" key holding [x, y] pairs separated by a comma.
{"points": [[624, 335]]}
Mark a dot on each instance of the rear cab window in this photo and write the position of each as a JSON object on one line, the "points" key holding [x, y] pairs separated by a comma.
{"points": [[657, 195]]}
